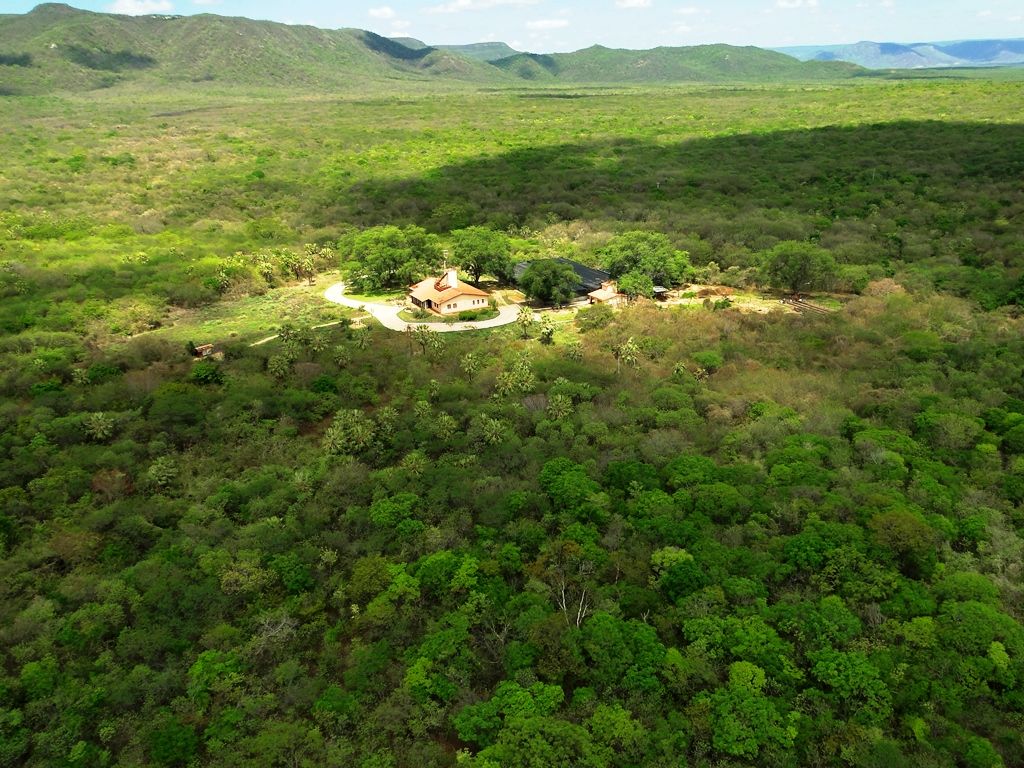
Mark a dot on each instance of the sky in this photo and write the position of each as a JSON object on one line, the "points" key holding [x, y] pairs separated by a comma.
{"points": [[544, 26]]}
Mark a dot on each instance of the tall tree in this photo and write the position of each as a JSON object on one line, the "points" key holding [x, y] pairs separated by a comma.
{"points": [[392, 257], [480, 251], [549, 281], [799, 266], [636, 284], [646, 253]]}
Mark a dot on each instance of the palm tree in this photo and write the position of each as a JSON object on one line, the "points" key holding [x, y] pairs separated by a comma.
{"points": [[525, 321], [99, 426], [626, 352]]}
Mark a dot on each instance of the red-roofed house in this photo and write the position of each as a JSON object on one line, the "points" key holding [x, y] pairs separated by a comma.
{"points": [[447, 295]]}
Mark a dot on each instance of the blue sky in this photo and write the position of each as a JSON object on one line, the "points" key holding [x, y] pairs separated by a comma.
{"points": [[565, 25]]}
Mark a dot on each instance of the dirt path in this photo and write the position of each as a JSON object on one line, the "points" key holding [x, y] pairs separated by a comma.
{"points": [[267, 340]]}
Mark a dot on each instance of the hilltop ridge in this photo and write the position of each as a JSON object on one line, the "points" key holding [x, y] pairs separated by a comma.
{"points": [[57, 48]]}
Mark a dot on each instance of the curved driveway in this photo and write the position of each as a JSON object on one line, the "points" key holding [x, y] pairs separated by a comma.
{"points": [[387, 314]]}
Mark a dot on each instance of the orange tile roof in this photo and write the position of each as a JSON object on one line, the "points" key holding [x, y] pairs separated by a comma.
{"points": [[442, 289]]}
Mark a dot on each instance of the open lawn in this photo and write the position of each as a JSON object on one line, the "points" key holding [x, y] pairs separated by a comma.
{"points": [[254, 317], [389, 297]]}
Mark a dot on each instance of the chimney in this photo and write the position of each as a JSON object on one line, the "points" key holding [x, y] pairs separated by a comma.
{"points": [[451, 277]]}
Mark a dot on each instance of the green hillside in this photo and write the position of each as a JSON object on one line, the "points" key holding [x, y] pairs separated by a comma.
{"points": [[704, 63], [55, 47], [482, 51]]}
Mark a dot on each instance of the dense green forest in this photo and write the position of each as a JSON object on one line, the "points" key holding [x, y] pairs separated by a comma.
{"points": [[660, 537]]}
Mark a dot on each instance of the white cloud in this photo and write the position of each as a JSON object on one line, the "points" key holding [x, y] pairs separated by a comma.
{"points": [[546, 24], [205, 2], [140, 7], [457, 6], [690, 10], [384, 12], [796, 3], [632, 3]]}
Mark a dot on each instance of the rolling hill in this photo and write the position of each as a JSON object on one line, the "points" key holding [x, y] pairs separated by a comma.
{"points": [[56, 48], [703, 63], [964, 53]]}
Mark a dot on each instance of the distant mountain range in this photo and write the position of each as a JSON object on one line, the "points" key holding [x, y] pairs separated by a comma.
{"points": [[58, 48], [597, 64], [963, 53]]}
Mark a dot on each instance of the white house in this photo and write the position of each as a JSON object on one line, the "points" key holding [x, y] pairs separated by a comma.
{"points": [[447, 295]]}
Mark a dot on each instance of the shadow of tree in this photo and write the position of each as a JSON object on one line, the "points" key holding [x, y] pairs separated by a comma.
{"points": [[827, 172], [903, 191], [108, 61]]}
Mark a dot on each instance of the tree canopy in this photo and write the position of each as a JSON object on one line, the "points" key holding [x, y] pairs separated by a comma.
{"points": [[480, 250], [799, 267], [636, 285], [649, 254], [389, 257], [648, 536], [549, 281]]}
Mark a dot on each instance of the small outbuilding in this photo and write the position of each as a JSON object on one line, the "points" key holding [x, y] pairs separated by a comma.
{"points": [[447, 295], [608, 294]]}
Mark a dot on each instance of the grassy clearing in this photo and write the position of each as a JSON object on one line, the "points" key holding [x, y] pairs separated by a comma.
{"points": [[828, 302], [377, 298], [254, 317]]}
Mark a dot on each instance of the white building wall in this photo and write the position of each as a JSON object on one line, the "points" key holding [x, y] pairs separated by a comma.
{"points": [[461, 304]]}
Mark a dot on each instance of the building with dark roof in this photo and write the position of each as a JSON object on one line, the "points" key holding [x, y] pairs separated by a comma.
{"points": [[590, 279]]}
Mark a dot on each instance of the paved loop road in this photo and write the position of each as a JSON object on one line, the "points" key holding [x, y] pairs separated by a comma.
{"points": [[387, 314]]}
